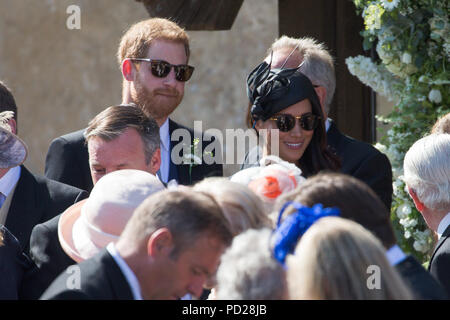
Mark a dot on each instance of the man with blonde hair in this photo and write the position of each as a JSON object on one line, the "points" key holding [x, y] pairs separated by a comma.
{"points": [[359, 159], [427, 175], [153, 57]]}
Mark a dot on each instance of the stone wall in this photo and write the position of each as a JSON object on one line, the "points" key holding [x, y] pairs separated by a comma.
{"points": [[62, 78]]}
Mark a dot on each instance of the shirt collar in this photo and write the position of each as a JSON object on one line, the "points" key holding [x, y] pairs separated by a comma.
{"points": [[127, 272], [9, 180], [395, 255], [164, 135], [445, 222], [327, 124]]}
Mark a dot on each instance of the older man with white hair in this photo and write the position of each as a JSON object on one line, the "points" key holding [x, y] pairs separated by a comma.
{"points": [[427, 176]]}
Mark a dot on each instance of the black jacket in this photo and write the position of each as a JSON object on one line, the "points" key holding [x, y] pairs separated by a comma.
{"points": [[362, 161], [49, 257], [421, 283], [100, 279], [67, 161], [439, 265], [14, 263], [37, 199]]}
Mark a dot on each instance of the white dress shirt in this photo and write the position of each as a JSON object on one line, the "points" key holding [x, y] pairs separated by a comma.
{"points": [[165, 151], [395, 255], [7, 186], [127, 272], [445, 222], [9, 181]]}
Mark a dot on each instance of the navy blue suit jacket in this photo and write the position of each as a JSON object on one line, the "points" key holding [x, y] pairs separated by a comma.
{"points": [[67, 161]]}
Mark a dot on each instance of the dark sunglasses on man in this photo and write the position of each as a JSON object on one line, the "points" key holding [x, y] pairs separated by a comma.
{"points": [[286, 122], [161, 68]]}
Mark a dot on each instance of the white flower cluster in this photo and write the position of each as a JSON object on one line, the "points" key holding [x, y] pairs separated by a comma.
{"points": [[447, 50], [374, 76], [422, 241], [396, 61], [390, 4], [372, 17], [413, 43]]}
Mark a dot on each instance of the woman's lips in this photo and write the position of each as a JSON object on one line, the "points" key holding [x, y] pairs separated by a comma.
{"points": [[294, 146]]}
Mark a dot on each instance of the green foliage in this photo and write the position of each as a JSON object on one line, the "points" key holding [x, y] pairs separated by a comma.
{"points": [[412, 39]]}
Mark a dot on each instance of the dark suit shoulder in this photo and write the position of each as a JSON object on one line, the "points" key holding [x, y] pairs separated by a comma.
{"points": [[440, 261], [100, 279], [67, 161], [49, 257], [344, 144], [59, 193], [72, 138], [189, 175], [14, 263], [43, 236], [364, 162], [421, 282]]}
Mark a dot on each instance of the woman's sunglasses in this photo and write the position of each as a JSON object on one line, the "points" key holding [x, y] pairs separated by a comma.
{"points": [[161, 68], [286, 122]]}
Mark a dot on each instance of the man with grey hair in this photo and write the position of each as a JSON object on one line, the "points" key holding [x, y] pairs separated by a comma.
{"points": [[359, 159], [248, 271], [122, 137], [427, 176], [170, 246]]}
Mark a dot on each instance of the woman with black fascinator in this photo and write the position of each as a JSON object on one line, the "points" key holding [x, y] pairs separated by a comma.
{"points": [[285, 100]]}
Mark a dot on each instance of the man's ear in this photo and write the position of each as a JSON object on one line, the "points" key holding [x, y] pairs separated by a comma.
{"points": [[322, 94], [160, 243], [155, 161], [419, 205], [128, 70], [13, 125]]}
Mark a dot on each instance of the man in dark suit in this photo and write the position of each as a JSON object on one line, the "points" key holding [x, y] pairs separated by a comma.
{"points": [[359, 159], [119, 137], [153, 56], [170, 246], [14, 263], [29, 199], [427, 175], [357, 202]]}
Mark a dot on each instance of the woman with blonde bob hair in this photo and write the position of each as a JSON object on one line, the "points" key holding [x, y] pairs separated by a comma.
{"points": [[241, 206], [338, 259]]}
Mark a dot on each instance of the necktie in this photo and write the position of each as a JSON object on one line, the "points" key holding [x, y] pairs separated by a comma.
{"points": [[2, 199]]}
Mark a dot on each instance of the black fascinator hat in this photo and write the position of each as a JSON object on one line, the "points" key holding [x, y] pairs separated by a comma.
{"points": [[272, 90]]}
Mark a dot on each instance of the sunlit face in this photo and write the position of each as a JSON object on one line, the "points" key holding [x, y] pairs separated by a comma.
{"points": [[187, 273], [159, 96], [124, 152], [292, 144]]}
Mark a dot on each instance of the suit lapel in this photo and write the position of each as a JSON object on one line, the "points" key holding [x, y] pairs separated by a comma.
{"points": [[441, 241], [333, 135], [24, 213], [119, 284], [182, 169]]}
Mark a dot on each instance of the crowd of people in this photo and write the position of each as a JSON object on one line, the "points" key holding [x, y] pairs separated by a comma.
{"points": [[118, 217]]}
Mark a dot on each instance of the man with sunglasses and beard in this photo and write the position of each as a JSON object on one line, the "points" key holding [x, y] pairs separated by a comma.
{"points": [[358, 159], [153, 56]]}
